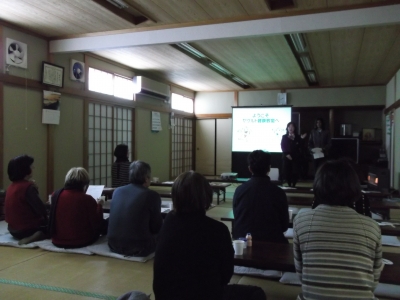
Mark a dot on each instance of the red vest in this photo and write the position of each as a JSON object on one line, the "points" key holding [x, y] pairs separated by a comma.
{"points": [[19, 214]]}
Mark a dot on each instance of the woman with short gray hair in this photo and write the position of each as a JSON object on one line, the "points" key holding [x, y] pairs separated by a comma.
{"points": [[76, 219]]}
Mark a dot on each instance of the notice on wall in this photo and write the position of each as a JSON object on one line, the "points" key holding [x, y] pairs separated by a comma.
{"points": [[156, 121], [51, 107]]}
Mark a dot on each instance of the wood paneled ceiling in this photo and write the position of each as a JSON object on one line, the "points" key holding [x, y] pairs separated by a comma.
{"points": [[368, 55]]}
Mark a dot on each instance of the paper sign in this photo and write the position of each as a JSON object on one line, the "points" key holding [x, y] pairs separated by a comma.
{"points": [[50, 116], [155, 121]]}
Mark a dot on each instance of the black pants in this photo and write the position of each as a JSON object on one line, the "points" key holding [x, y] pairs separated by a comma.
{"points": [[317, 163], [290, 171]]}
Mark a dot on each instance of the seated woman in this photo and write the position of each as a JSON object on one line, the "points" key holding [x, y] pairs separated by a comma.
{"points": [[120, 168], [194, 253], [25, 212], [338, 252], [76, 219]]}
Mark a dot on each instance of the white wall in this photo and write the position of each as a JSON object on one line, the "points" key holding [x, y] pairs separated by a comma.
{"points": [[214, 103]]}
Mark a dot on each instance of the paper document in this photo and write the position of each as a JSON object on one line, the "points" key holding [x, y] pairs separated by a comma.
{"points": [[318, 155], [95, 191]]}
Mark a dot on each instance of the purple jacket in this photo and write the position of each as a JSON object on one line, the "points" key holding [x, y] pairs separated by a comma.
{"points": [[290, 146]]}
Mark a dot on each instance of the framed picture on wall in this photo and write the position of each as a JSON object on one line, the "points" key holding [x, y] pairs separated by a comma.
{"points": [[52, 74]]}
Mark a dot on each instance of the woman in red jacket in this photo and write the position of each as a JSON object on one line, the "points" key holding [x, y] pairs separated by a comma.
{"points": [[25, 212], [76, 219]]}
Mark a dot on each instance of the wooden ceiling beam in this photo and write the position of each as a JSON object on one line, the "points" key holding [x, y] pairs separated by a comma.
{"points": [[135, 20], [375, 16]]}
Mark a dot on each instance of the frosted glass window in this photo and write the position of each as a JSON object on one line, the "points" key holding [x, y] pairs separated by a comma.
{"points": [[180, 147], [101, 82], [180, 102], [110, 129], [123, 87]]}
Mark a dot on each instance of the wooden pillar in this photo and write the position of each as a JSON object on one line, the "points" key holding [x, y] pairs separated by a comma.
{"points": [[332, 122], [236, 98]]}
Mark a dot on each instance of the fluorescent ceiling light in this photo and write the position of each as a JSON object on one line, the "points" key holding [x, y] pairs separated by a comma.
{"points": [[298, 41], [119, 3], [220, 68], [237, 79], [191, 50], [312, 77], [305, 60]]}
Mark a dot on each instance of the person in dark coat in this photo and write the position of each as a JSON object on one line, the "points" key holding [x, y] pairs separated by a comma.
{"points": [[319, 138], [291, 145], [135, 214], [259, 206], [194, 254]]}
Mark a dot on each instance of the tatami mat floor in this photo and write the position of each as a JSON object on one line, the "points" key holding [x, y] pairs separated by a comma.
{"points": [[38, 274]]}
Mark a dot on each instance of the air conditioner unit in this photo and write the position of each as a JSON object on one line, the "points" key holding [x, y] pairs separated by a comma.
{"points": [[152, 88]]}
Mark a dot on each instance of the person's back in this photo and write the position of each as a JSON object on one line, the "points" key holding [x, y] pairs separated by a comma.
{"points": [[337, 252], [340, 248], [194, 258], [120, 168], [78, 219], [135, 215], [260, 208]]}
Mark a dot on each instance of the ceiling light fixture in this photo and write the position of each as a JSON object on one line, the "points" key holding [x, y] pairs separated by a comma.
{"points": [[311, 76], [119, 3], [191, 50], [305, 60], [209, 63], [298, 41], [298, 45]]}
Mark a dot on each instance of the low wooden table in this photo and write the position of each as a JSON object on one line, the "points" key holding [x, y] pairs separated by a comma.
{"points": [[274, 256], [385, 230]]}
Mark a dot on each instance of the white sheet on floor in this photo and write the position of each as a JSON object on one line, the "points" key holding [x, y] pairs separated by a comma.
{"points": [[3, 227], [257, 272], [101, 248], [8, 240], [48, 245], [382, 290], [390, 241]]}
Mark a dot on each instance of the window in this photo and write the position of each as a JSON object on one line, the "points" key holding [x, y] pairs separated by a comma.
{"points": [[108, 126], [110, 84], [180, 102], [182, 140]]}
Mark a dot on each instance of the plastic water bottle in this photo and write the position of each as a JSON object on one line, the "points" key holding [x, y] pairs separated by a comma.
{"points": [[249, 240]]}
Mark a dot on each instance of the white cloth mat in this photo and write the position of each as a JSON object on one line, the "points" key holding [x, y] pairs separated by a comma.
{"points": [[382, 290], [101, 248], [257, 272], [8, 240], [390, 241], [3, 227], [48, 245], [290, 278], [388, 291], [289, 233]]}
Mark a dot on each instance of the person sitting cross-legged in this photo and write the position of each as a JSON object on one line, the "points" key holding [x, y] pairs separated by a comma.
{"points": [[135, 214], [194, 253], [337, 251], [25, 212], [259, 206], [76, 219]]}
